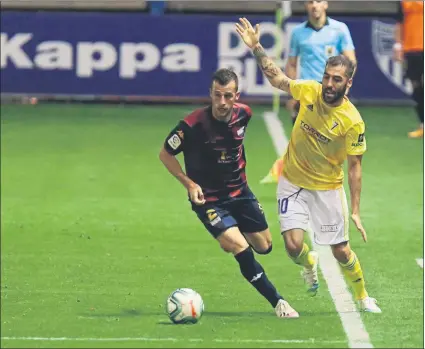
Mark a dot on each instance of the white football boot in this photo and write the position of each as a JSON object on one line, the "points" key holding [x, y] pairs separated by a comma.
{"points": [[369, 305], [283, 309]]}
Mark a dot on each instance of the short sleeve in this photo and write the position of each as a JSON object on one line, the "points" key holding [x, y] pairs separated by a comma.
{"points": [[346, 40], [294, 50], [355, 140], [304, 90], [178, 138]]}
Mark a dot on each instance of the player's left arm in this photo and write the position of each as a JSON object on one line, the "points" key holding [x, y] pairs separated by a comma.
{"points": [[347, 46], [355, 181], [356, 146]]}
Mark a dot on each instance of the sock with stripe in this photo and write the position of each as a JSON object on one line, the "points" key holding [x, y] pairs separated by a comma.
{"points": [[353, 272], [304, 258]]}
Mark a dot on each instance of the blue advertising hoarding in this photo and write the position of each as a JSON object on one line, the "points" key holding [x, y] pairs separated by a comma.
{"points": [[135, 54]]}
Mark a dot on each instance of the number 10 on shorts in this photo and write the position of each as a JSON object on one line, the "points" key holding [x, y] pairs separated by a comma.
{"points": [[282, 205]]}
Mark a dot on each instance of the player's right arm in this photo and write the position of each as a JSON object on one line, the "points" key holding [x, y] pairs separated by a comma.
{"points": [[173, 145], [270, 69], [291, 64]]}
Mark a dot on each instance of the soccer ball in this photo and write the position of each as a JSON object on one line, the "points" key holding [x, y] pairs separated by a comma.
{"points": [[184, 306]]}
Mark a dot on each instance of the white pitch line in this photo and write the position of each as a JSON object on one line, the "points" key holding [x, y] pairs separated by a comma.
{"points": [[420, 262], [165, 339], [350, 318]]}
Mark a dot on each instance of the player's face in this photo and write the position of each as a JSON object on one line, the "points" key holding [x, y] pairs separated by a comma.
{"points": [[316, 9], [335, 84], [222, 99]]}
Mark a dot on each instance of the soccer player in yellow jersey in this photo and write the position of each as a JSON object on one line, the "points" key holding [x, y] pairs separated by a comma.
{"points": [[328, 130]]}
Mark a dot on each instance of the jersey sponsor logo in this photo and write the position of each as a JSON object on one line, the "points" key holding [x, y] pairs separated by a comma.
{"points": [[360, 141], [313, 132], [211, 214], [331, 228], [213, 217], [174, 141], [382, 48], [335, 124]]}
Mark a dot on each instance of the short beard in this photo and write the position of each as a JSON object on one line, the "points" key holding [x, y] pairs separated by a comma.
{"points": [[338, 95]]}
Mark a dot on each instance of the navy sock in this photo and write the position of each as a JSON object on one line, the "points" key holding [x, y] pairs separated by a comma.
{"points": [[254, 273]]}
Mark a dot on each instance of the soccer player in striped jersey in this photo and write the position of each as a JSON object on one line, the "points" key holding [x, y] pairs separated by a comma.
{"points": [[211, 140]]}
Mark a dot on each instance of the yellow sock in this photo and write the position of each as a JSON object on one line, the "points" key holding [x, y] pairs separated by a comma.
{"points": [[353, 272], [276, 169], [304, 258]]}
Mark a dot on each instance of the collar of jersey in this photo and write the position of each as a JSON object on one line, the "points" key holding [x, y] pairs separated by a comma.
{"points": [[221, 123], [309, 25]]}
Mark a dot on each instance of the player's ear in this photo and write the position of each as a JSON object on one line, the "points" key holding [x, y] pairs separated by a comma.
{"points": [[349, 84], [325, 5], [238, 94]]}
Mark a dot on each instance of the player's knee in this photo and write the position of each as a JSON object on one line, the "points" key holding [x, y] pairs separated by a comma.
{"points": [[264, 249], [233, 247], [292, 245], [342, 252]]}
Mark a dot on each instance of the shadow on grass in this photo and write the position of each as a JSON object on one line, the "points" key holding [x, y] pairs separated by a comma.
{"points": [[128, 313]]}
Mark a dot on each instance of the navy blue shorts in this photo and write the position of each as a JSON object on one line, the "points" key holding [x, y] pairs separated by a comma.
{"points": [[243, 211]]}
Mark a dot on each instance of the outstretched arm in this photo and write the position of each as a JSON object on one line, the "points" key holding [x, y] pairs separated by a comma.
{"points": [[270, 69]]}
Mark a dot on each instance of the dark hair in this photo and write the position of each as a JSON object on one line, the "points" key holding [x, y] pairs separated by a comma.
{"points": [[224, 76], [343, 61]]}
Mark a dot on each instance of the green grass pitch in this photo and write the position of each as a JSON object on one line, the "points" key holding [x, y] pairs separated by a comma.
{"points": [[95, 234]]}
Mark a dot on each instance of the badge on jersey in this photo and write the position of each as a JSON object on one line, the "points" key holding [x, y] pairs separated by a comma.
{"points": [[174, 141], [361, 138], [330, 50], [335, 124]]}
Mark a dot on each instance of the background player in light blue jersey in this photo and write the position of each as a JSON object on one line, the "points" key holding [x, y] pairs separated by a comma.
{"points": [[312, 43]]}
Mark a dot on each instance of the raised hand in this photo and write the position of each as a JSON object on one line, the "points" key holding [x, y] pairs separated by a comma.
{"points": [[249, 35]]}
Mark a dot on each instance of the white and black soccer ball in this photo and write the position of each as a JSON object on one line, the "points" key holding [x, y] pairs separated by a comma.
{"points": [[184, 305]]}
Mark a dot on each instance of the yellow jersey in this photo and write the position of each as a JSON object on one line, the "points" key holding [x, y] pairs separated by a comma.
{"points": [[321, 139]]}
